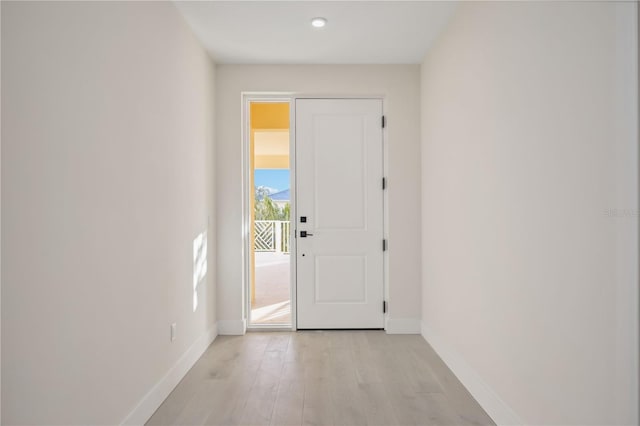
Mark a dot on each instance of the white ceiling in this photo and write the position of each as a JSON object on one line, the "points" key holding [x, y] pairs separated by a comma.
{"points": [[271, 142], [280, 32]]}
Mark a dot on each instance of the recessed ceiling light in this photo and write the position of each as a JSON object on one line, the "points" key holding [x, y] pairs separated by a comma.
{"points": [[318, 22]]}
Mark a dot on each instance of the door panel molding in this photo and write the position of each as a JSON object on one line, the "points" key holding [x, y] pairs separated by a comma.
{"points": [[336, 256]]}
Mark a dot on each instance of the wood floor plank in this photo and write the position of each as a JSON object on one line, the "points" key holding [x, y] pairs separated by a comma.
{"points": [[279, 342], [377, 405], [289, 403], [437, 411], [260, 403], [342, 365], [376, 339], [200, 406], [228, 405], [365, 369], [418, 374], [178, 399], [346, 402], [270, 370], [406, 404], [320, 378], [389, 365], [317, 406]]}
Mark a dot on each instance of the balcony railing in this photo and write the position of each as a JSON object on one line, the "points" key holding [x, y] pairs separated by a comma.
{"points": [[272, 235]]}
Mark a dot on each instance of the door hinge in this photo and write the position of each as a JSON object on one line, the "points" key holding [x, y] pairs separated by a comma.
{"points": [[384, 245], [384, 306], [384, 121], [384, 183]]}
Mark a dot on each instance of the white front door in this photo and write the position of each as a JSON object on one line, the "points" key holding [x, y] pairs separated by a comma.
{"points": [[339, 196]]}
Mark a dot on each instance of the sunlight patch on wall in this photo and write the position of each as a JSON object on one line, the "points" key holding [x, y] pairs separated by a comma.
{"points": [[199, 264]]}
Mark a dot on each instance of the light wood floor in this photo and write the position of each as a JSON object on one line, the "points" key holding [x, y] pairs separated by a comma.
{"points": [[320, 378]]}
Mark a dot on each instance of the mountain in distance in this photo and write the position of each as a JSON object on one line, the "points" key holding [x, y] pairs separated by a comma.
{"points": [[274, 194], [268, 189], [281, 195]]}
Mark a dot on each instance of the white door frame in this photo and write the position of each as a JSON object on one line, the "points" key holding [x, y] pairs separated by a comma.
{"points": [[264, 97], [291, 97]]}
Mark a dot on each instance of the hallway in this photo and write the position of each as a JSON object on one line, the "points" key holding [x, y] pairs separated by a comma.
{"points": [[506, 274], [320, 378]]}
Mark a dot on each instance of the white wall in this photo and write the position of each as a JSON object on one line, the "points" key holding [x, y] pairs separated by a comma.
{"points": [[107, 151], [400, 85], [529, 139], [0, 222]]}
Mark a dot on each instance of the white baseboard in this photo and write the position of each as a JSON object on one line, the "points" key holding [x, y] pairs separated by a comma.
{"points": [[152, 400], [232, 327], [403, 326], [490, 401]]}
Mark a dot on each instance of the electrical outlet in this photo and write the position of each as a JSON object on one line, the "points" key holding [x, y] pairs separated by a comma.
{"points": [[173, 331]]}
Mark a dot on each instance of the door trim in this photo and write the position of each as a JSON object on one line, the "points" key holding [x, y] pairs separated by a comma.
{"points": [[246, 99], [292, 97], [385, 195]]}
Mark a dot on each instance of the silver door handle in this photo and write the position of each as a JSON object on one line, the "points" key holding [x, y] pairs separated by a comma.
{"points": [[305, 234]]}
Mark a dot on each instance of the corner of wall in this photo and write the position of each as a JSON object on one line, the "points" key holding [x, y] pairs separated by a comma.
{"points": [[232, 327], [154, 398], [496, 408]]}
